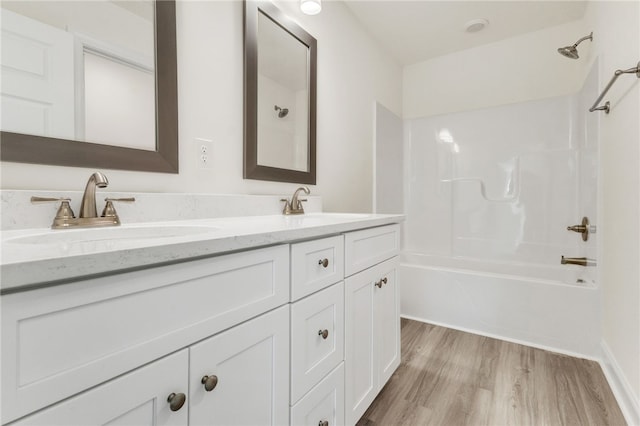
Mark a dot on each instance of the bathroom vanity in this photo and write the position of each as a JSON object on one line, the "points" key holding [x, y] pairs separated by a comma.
{"points": [[262, 320]]}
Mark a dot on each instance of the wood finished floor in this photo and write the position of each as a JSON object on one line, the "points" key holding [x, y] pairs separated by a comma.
{"points": [[448, 377]]}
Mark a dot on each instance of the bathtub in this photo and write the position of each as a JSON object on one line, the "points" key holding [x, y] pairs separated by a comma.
{"points": [[551, 307]]}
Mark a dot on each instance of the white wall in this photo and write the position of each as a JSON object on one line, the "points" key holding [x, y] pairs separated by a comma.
{"points": [[353, 72], [617, 44], [514, 70]]}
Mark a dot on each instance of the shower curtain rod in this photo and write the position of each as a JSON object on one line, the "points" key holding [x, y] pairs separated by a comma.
{"points": [[605, 107]]}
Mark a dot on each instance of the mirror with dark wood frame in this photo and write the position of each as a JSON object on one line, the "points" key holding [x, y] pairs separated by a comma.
{"points": [[24, 148], [279, 97]]}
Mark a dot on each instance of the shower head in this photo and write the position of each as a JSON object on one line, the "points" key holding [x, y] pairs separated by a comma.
{"points": [[572, 51], [569, 52], [282, 112]]}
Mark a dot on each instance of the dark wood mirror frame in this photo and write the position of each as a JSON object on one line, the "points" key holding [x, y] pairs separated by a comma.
{"points": [[21, 148], [252, 170]]}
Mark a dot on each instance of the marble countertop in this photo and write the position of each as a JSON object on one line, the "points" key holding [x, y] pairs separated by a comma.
{"points": [[32, 258]]}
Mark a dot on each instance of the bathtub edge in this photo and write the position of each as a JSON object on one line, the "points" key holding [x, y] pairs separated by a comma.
{"points": [[506, 339]]}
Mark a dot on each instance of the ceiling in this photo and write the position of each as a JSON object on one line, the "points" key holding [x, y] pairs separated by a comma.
{"points": [[414, 31]]}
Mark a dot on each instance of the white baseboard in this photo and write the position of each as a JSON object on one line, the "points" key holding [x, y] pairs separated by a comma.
{"points": [[628, 402], [506, 339]]}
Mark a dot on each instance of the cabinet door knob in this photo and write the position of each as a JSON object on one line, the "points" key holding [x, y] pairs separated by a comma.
{"points": [[209, 382], [323, 423], [378, 284], [324, 262], [384, 280], [323, 333], [176, 401]]}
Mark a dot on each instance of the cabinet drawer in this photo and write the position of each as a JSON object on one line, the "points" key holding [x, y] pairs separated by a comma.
{"points": [[365, 248], [317, 338], [325, 402], [139, 397], [315, 265], [71, 337]]}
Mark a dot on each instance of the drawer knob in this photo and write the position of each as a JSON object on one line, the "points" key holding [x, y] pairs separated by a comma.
{"points": [[324, 262], [382, 281], [176, 401], [209, 382], [323, 423], [323, 333]]}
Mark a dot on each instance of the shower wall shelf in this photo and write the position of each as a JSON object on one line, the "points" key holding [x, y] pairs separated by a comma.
{"points": [[606, 107]]}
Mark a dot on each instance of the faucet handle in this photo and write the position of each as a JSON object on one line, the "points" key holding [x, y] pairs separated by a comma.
{"points": [[37, 200], [64, 211], [109, 210], [121, 200]]}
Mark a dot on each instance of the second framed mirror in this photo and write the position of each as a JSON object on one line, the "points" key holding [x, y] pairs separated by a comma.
{"points": [[279, 97]]}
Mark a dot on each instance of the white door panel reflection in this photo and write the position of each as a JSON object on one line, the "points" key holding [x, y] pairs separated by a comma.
{"points": [[52, 88], [37, 78]]}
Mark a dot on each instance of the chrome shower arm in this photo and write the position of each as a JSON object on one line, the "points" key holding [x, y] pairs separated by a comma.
{"points": [[589, 37], [616, 74]]}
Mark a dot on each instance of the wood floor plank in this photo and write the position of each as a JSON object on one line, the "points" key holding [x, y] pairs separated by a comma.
{"points": [[448, 377]]}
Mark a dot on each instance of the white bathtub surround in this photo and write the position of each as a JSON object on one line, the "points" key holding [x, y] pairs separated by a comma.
{"points": [[490, 194], [19, 213], [496, 184]]}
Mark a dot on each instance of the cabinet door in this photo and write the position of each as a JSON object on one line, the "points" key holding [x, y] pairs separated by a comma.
{"points": [[387, 318], [372, 343], [360, 367], [137, 398], [251, 366]]}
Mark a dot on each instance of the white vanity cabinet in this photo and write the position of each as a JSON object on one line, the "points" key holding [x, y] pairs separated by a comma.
{"points": [[265, 336], [372, 319]]}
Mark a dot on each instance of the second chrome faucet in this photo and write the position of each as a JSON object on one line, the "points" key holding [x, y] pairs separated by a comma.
{"points": [[295, 205]]}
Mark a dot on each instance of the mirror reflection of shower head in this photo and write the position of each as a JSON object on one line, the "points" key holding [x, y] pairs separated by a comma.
{"points": [[282, 112], [572, 51]]}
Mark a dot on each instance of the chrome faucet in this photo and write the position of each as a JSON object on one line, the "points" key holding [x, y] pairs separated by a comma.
{"points": [[88, 216], [295, 205], [88, 206]]}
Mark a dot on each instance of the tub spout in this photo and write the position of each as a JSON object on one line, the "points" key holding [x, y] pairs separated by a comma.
{"points": [[582, 261]]}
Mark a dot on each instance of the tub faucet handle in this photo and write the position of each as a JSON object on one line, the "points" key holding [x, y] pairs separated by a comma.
{"points": [[583, 228]]}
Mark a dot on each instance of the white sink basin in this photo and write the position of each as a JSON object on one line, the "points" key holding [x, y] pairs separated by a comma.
{"points": [[70, 236]]}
